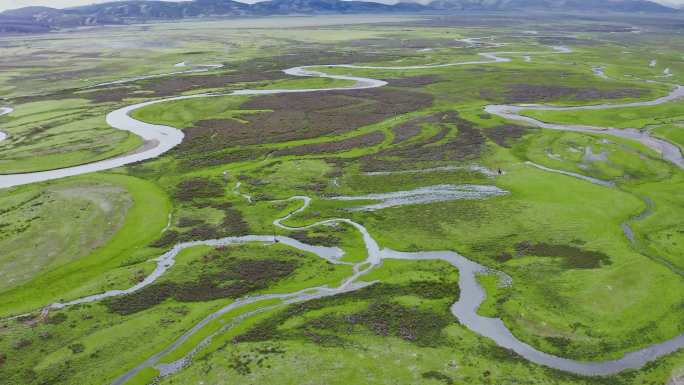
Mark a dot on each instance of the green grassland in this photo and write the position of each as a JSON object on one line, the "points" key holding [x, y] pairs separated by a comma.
{"points": [[76, 341], [664, 120], [581, 287], [97, 266], [347, 340], [54, 134], [635, 117], [32, 229]]}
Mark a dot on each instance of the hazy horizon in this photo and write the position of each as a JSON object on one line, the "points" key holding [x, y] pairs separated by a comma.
{"points": [[12, 4]]}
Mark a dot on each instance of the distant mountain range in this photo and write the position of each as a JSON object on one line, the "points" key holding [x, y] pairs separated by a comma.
{"points": [[558, 5], [44, 19]]}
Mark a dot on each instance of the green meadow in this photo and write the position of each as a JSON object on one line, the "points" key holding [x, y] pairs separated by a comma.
{"points": [[586, 271]]}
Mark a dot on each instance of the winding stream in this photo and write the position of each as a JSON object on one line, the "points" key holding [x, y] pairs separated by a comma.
{"points": [[423, 195], [597, 181], [669, 151], [168, 259], [4, 111], [200, 68], [472, 167], [331, 254], [160, 139], [600, 72], [627, 229], [472, 296], [629, 234], [465, 309]]}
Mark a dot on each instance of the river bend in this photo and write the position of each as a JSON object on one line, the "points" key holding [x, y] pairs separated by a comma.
{"points": [[161, 139]]}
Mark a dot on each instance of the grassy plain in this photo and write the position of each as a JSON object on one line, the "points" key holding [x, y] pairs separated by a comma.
{"points": [[97, 266], [581, 287]]}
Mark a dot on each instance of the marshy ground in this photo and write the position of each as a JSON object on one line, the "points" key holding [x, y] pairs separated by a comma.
{"points": [[578, 286]]}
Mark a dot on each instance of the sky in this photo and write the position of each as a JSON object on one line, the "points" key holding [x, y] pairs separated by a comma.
{"points": [[10, 4]]}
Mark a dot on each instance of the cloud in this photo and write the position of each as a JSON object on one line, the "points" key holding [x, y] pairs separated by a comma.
{"points": [[671, 3]]}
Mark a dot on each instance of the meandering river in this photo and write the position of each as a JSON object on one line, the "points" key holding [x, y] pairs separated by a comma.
{"points": [[669, 151], [465, 309], [200, 68], [160, 139]]}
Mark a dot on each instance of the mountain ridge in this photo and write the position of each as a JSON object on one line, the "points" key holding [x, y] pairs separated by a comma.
{"points": [[45, 19]]}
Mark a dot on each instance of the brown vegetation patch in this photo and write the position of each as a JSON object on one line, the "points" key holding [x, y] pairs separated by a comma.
{"points": [[190, 189], [117, 94], [401, 42], [438, 376], [257, 357], [302, 116], [34, 133], [367, 140], [205, 159], [569, 41], [160, 87], [189, 222], [174, 85], [56, 319], [51, 75], [106, 96], [22, 343], [235, 279], [411, 128], [321, 55], [574, 257], [505, 134], [382, 317], [322, 239], [527, 93], [255, 70], [391, 319], [414, 81], [467, 144], [593, 27], [233, 224], [467, 20]]}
